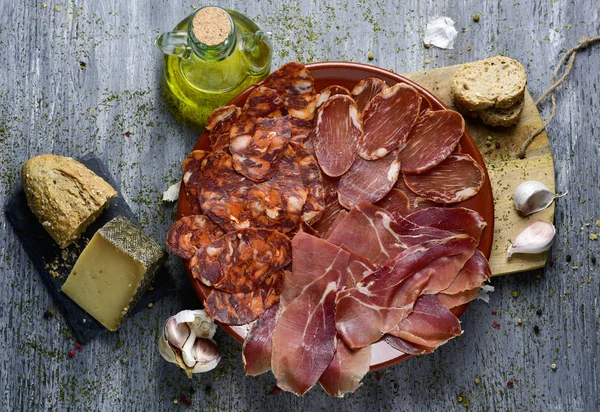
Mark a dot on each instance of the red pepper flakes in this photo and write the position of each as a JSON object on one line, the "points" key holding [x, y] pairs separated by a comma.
{"points": [[495, 325], [510, 383], [488, 152], [552, 261], [78, 347], [494, 312], [276, 390], [378, 376], [127, 133], [71, 353], [497, 145]]}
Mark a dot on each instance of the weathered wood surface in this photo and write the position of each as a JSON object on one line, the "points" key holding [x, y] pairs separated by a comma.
{"points": [[498, 146], [75, 76]]}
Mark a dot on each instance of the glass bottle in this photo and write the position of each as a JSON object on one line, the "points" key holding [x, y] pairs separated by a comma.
{"points": [[210, 57]]}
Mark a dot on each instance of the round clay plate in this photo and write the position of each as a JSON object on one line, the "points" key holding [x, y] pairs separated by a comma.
{"points": [[347, 75]]}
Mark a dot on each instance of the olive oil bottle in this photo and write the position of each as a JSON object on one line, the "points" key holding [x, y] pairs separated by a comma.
{"points": [[210, 57]]}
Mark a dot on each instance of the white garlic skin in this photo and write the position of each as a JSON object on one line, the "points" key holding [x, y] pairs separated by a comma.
{"points": [[536, 238], [187, 341], [532, 196]]}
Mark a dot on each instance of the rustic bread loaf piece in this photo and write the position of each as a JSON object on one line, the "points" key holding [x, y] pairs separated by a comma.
{"points": [[64, 195], [496, 82], [494, 116], [502, 117]]}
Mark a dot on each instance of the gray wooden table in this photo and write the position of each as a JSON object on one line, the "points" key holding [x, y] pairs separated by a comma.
{"points": [[75, 76]]}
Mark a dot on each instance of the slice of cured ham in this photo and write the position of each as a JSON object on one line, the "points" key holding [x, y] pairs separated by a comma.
{"points": [[384, 298], [456, 179], [338, 219], [432, 139], [465, 287], [191, 233], [313, 183], [388, 119], [241, 260], [192, 175], [415, 201], [396, 202], [257, 145], [304, 340], [429, 325], [456, 220], [294, 83], [366, 89], [258, 345], [368, 180], [338, 132], [243, 308], [330, 91], [219, 125], [346, 370], [264, 102]]}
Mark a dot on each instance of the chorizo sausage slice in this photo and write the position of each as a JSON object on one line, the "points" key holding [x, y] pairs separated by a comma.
{"points": [[191, 233], [243, 308], [192, 174], [240, 261], [219, 125]]}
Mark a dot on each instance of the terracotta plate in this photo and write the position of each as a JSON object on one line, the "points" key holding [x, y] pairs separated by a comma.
{"points": [[347, 75]]}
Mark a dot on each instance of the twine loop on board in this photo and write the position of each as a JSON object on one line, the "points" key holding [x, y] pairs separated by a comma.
{"points": [[584, 42]]}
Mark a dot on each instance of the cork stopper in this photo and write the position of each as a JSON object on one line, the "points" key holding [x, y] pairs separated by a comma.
{"points": [[211, 26]]}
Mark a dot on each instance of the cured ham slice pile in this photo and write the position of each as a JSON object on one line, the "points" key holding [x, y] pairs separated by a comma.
{"points": [[326, 223]]}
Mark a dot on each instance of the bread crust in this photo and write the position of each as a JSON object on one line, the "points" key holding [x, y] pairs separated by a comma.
{"points": [[495, 82], [65, 196]]}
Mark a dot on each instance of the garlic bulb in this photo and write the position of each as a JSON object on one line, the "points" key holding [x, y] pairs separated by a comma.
{"points": [[536, 238], [532, 196], [187, 341]]}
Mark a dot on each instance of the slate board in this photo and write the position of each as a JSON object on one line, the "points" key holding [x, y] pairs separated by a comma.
{"points": [[54, 264]]}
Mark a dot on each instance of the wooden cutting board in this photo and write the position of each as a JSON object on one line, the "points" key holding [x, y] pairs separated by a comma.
{"points": [[505, 172]]}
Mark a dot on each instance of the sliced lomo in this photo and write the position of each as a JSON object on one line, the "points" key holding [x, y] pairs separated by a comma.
{"points": [[457, 178], [240, 261], [257, 145], [338, 132], [366, 89], [368, 180], [396, 202], [219, 124], [330, 91], [388, 119], [432, 139], [415, 201], [191, 233], [425, 105]]}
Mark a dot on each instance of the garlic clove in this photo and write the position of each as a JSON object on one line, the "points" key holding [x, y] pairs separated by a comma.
{"points": [[177, 333], [187, 341], [536, 238], [532, 196], [207, 355]]}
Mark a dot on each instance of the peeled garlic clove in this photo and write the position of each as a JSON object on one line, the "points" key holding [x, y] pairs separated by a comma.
{"points": [[532, 196], [187, 341], [536, 238]]}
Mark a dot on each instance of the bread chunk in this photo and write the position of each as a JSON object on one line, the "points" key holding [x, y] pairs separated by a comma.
{"points": [[64, 195], [502, 117], [497, 82]]}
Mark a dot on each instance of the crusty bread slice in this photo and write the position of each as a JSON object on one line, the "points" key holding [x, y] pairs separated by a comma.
{"points": [[502, 117], [494, 82], [64, 195]]}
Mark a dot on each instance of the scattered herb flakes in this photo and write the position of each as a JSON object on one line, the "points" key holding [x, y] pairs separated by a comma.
{"points": [[536, 329], [49, 314], [538, 312]]}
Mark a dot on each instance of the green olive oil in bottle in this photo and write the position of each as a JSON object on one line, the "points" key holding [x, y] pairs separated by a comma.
{"points": [[210, 57]]}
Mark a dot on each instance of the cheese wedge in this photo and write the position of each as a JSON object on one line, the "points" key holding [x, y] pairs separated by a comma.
{"points": [[113, 271]]}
